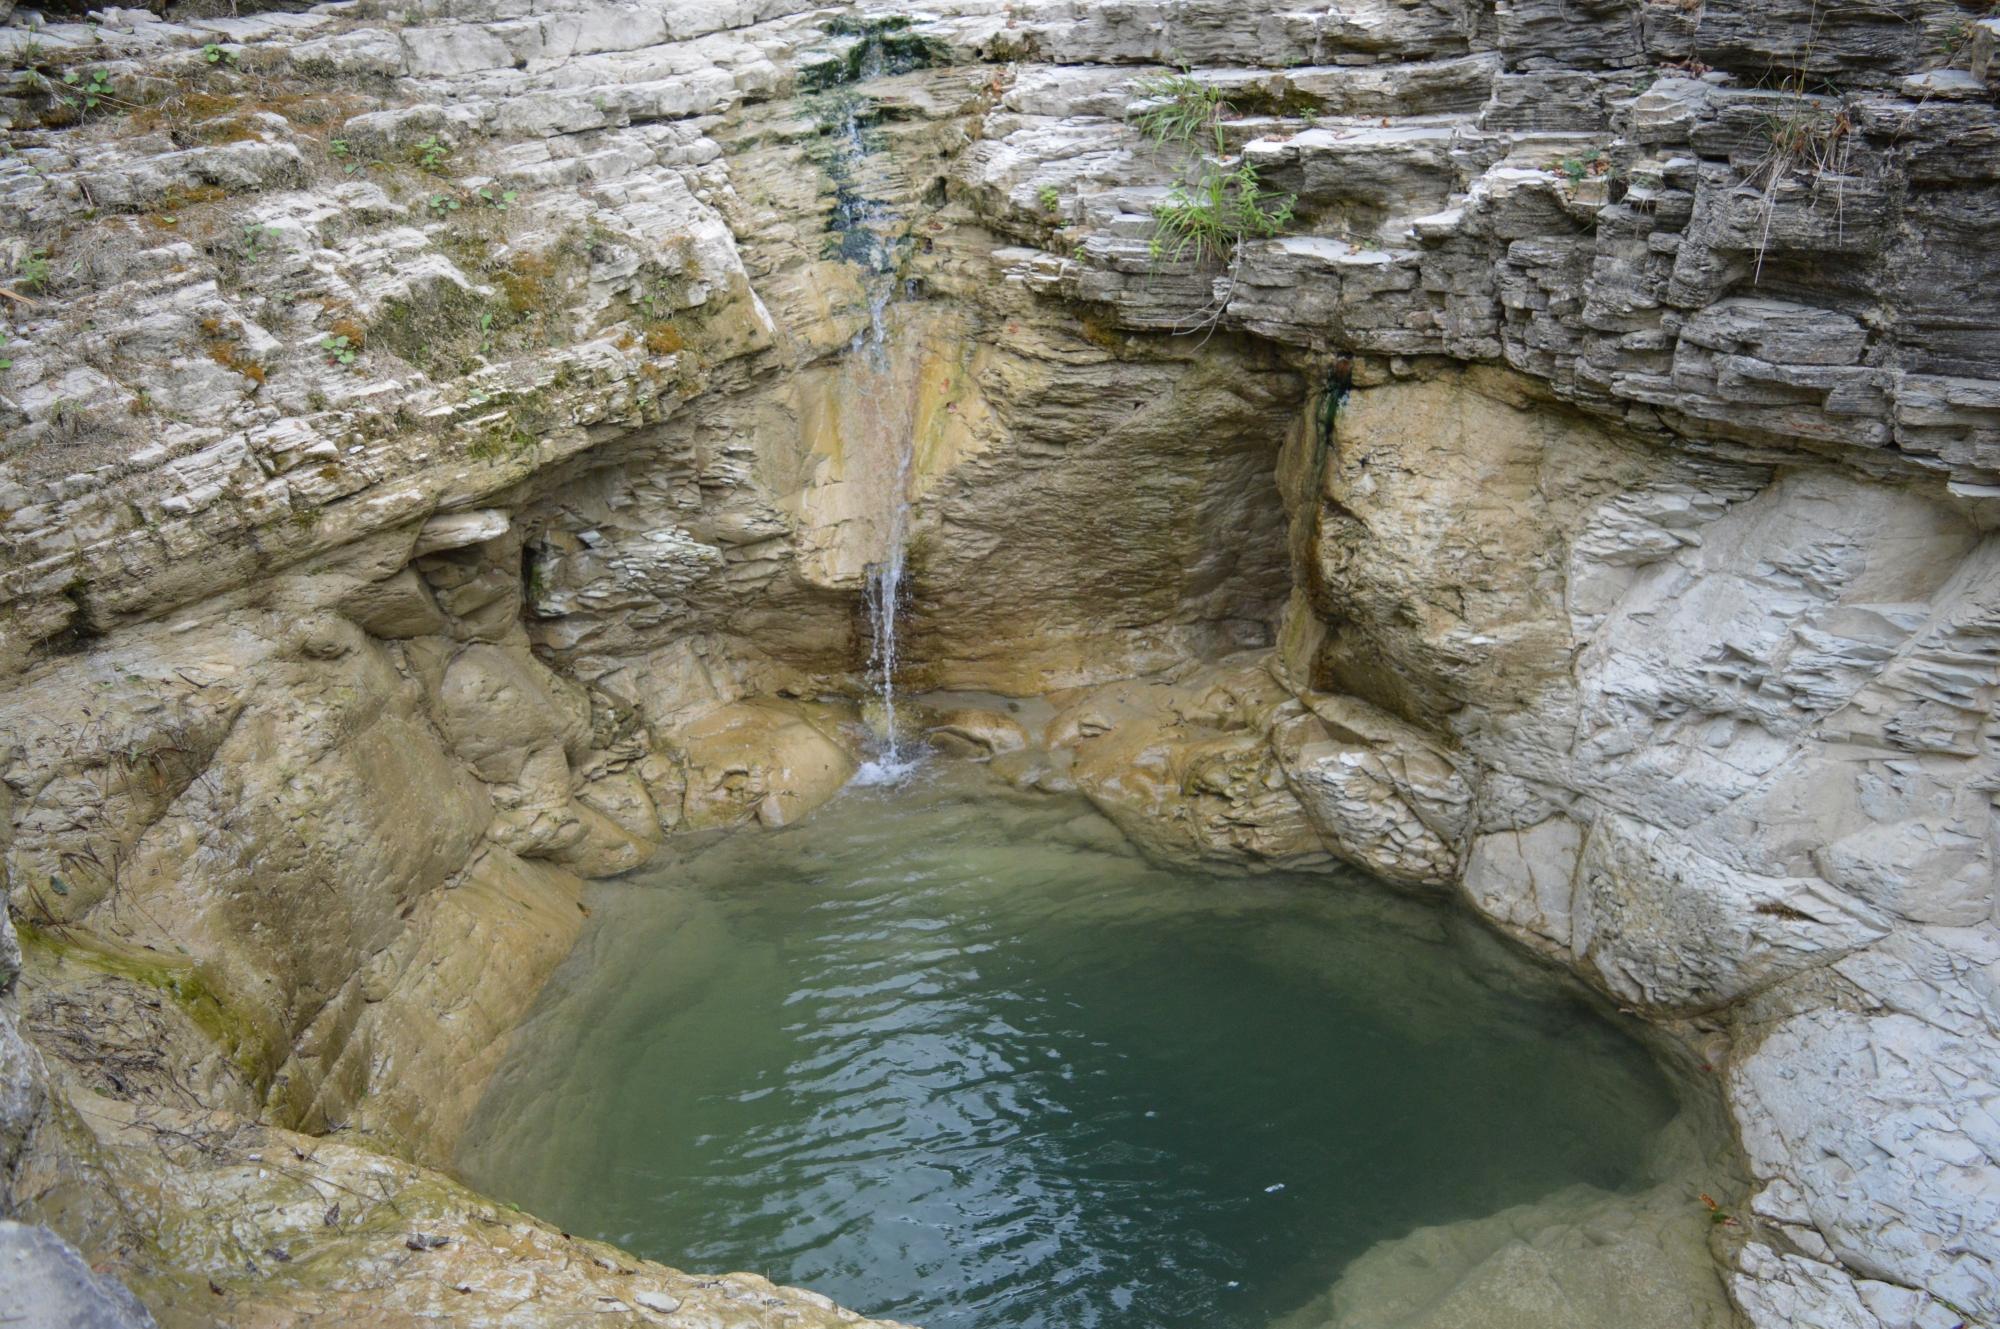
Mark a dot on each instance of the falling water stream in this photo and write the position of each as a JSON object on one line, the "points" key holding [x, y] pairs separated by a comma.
{"points": [[884, 586], [866, 236]]}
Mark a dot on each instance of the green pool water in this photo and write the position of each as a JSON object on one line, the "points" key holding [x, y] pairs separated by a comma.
{"points": [[957, 1056]]}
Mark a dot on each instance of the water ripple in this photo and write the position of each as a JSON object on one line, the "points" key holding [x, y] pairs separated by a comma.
{"points": [[947, 1059]]}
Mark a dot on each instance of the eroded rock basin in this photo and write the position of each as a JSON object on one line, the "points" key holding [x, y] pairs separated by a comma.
{"points": [[956, 1055]]}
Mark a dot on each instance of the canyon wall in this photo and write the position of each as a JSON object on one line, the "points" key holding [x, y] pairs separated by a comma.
{"points": [[446, 447]]}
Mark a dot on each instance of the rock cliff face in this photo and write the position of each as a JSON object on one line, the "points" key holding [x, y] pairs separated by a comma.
{"points": [[445, 447]]}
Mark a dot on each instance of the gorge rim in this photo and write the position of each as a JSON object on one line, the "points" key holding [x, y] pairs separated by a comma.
{"points": [[756, 628]]}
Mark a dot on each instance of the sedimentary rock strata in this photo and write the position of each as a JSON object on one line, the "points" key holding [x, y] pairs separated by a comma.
{"points": [[445, 449]]}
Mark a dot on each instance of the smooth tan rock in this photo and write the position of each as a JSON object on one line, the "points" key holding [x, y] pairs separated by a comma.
{"points": [[603, 846], [1143, 483], [1381, 793], [1526, 879], [455, 530], [1185, 768], [455, 984], [329, 809], [398, 606], [534, 813], [975, 733], [623, 796], [768, 761], [499, 706], [1440, 546], [479, 587]]}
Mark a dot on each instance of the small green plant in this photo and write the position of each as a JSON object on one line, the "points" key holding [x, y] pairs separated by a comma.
{"points": [[84, 92], [1220, 202], [1808, 138], [33, 273], [502, 200], [339, 348], [503, 438], [258, 239], [430, 154], [1957, 37], [1179, 109], [342, 152], [486, 334], [1965, 1316], [1209, 218], [1717, 1215], [659, 304], [6, 361], [1051, 198], [217, 54], [442, 205], [1577, 169]]}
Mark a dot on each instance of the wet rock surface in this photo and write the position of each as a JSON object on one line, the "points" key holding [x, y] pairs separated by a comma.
{"points": [[435, 472]]}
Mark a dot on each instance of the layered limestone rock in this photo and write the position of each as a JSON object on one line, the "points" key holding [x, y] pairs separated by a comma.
{"points": [[1743, 783], [446, 447]]}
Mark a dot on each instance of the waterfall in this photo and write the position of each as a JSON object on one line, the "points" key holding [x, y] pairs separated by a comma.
{"points": [[885, 578], [885, 582], [867, 240]]}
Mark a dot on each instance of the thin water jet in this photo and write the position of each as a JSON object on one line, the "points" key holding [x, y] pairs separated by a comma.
{"points": [[883, 588], [866, 238]]}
